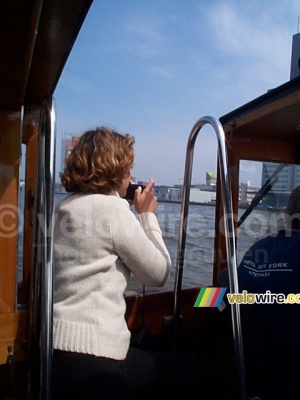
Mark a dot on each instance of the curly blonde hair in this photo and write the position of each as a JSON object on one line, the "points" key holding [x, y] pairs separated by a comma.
{"points": [[99, 161]]}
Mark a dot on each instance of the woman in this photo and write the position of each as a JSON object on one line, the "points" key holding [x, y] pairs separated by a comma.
{"points": [[98, 243]]}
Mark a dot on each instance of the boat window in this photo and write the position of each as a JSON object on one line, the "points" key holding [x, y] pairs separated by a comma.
{"points": [[264, 189]]}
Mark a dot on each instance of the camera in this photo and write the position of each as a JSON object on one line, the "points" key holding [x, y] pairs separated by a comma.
{"points": [[131, 189]]}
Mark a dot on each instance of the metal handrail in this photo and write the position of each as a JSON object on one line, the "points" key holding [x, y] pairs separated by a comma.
{"points": [[229, 238], [42, 290]]}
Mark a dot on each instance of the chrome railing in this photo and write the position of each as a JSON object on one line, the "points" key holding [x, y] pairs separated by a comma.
{"points": [[42, 282], [229, 238]]}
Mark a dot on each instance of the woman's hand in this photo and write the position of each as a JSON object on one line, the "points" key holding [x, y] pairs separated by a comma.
{"points": [[145, 201]]}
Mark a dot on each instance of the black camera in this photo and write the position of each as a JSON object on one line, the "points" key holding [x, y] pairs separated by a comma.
{"points": [[131, 189]]}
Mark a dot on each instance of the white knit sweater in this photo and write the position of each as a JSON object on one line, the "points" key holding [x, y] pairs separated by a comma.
{"points": [[98, 241]]}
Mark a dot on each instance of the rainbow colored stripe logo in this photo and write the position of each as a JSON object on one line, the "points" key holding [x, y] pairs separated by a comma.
{"points": [[210, 297]]}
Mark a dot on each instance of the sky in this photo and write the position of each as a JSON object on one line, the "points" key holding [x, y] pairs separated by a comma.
{"points": [[154, 68]]}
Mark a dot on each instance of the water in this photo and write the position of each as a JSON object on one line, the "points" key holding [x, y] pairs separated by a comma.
{"points": [[198, 257]]}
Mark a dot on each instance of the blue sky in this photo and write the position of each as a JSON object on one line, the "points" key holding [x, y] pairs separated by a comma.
{"points": [[153, 68]]}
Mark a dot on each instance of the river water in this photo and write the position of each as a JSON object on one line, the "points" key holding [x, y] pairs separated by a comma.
{"points": [[198, 257]]}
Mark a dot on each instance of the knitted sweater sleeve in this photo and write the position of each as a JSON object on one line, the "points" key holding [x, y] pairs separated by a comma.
{"points": [[139, 244]]}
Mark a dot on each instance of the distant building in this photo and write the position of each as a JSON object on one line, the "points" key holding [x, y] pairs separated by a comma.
{"points": [[202, 196], [210, 183], [173, 194], [287, 179], [295, 65], [211, 180], [247, 193], [67, 143], [243, 193]]}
